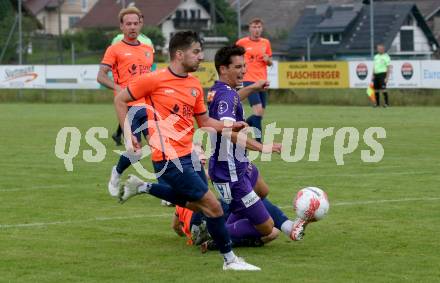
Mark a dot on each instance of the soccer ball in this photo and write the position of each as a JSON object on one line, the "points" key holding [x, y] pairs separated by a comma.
{"points": [[311, 204]]}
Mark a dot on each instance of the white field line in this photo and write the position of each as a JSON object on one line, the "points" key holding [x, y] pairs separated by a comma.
{"points": [[100, 219], [367, 174], [33, 188]]}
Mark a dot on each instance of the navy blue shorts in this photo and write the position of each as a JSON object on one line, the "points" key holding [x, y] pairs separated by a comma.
{"points": [[189, 185], [255, 98], [139, 119]]}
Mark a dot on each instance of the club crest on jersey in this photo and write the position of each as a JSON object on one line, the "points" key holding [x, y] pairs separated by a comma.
{"points": [[222, 107], [148, 54], [194, 92]]}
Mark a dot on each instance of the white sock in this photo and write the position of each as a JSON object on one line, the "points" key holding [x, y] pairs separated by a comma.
{"points": [[144, 188], [228, 257], [287, 227], [116, 172]]}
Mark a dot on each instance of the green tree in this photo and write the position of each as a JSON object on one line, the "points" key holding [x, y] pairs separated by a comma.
{"points": [[226, 19], [155, 34], [6, 24]]}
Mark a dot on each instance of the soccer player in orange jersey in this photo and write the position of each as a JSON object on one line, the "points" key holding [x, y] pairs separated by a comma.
{"points": [[176, 98], [257, 57], [127, 59]]}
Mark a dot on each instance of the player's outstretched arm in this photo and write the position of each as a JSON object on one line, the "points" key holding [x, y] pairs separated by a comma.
{"points": [[255, 87], [242, 139], [204, 121]]}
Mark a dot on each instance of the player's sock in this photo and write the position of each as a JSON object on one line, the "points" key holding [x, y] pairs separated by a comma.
{"points": [[376, 94], [281, 221], [125, 161], [217, 230], [250, 121], [287, 227], [119, 131], [255, 121], [243, 229], [257, 124], [161, 191]]}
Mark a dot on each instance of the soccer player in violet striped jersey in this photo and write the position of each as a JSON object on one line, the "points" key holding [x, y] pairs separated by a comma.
{"points": [[233, 176]]}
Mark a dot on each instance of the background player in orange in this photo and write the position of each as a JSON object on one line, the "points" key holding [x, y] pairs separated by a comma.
{"points": [[177, 98], [127, 59], [257, 57]]}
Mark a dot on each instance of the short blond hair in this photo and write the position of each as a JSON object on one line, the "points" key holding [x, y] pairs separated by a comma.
{"points": [[127, 11], [256, 21]]}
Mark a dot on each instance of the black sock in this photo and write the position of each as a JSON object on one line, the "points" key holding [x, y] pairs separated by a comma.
{"points": [[119, 131]]}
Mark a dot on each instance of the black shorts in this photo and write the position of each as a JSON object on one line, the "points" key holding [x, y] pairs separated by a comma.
{"points": [[379, 81]]}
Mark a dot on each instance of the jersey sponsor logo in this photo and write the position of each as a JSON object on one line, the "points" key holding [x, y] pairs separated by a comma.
{"points": [[133, 70], [222, 107], [250, 199], [187, 111]]}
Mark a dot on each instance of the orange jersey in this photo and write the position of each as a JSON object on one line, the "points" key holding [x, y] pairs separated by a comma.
{"points": [[256, 68], [172, 102], [127, 62], [184, 215]]}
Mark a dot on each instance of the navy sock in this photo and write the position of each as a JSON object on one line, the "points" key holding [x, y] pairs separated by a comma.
{"points": [[165, 192], [217, 230], [123, 164], [250, 121], [276, 213], [255, 121]]}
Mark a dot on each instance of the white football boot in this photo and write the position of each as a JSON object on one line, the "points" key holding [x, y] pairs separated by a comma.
{"points": [[130, 188], [239, 264], [297, 233], [113, 184]]}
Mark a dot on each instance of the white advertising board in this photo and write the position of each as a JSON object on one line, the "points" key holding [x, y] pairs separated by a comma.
{"points": [[272, 75], [404, 74], [50, 76], [24, 76], [430, 74]]}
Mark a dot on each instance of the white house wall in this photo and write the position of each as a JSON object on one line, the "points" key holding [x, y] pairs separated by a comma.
{"points": [[421, 43], [167, 26]]}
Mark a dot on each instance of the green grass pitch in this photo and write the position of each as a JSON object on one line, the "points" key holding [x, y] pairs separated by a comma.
{"points": [[59, 226]]}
